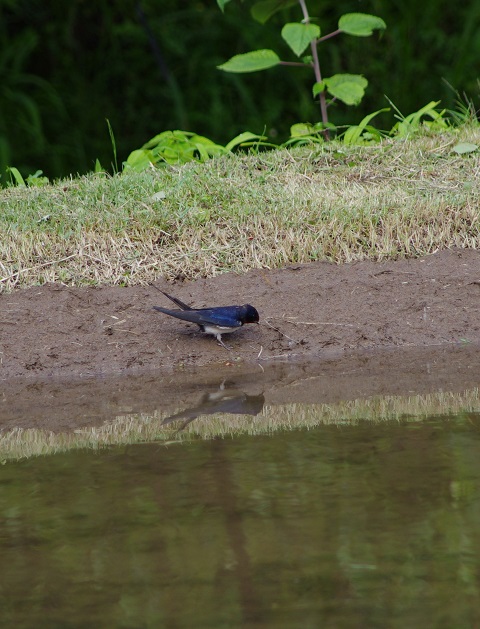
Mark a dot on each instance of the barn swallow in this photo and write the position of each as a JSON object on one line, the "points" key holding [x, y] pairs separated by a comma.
{"points": [[215, 321], [226, 399]]}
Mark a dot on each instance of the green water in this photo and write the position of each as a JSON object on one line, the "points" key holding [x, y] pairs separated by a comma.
{"points": [[361, 526]]}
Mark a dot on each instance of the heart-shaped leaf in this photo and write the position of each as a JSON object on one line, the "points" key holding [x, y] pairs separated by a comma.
{"points": [[298, 36]]}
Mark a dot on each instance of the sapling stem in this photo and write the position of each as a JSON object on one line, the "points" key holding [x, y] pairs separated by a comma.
{"points": [[316, 70]]}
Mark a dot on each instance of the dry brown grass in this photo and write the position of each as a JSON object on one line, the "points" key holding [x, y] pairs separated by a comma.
{"points": [[336, 203]]}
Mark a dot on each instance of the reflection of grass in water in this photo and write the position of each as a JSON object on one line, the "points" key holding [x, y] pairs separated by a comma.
{"points": [[20, 443]]}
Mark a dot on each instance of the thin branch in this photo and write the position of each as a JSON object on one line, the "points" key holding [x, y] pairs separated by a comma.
{"points": [[280, 332], [296, 63], [332, 34], [316, 70], [306, 16]]}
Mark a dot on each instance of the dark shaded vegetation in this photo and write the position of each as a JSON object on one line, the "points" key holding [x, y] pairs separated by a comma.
{"points": [[149, 66]]}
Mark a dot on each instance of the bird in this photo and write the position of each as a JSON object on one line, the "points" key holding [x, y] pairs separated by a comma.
{"points": [[226, 399], [216, 321]]}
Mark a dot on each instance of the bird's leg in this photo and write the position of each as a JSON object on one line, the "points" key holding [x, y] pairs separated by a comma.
{"points": [[220, 342]]}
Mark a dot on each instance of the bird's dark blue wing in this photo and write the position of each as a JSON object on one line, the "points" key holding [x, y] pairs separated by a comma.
{"points": [[177, 301], [227, 316]]}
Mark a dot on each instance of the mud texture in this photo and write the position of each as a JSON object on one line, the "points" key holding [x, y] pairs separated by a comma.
{"points": [[313, 311]]}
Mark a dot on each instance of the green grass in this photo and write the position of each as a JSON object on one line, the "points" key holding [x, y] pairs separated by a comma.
{"points": [[401, 197], [141, 428]]}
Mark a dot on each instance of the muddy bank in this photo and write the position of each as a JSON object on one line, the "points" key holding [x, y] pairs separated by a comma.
{"points": [[63, 405], [314, 311]]}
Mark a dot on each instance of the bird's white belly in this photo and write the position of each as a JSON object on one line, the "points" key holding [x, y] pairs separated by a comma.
{"points": [[218, 329]]}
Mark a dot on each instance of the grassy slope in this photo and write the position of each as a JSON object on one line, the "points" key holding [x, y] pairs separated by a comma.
{"points": [[333, 202]]}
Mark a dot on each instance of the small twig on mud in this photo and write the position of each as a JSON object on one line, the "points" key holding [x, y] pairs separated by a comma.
{"points": [[116, 322], [287, 356], [280, 332], [260, 352], [290, 320]]}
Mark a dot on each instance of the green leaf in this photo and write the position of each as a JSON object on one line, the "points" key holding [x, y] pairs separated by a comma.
{"points": [[173, 147], [251, 61], [413, 122], [140, 160], [353, 134], [16, 176], [360, 24], [349, 88], [318, 88], [427, 110], [298, 36], [114, 146], [246, 136], [464, 147], [263, 11], [206, 148], [303, 133], [36, 179], [301, 129]]}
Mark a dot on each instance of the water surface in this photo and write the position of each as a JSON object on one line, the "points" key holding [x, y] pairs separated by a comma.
{"points": [[370, 525]]}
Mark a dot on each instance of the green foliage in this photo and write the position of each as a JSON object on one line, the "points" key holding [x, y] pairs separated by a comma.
{"points": [[251, 61], [364, 133], [172, 147], [179, 147], [299, 36], [35, 179], [306, 133], [176, 147], [65, 67], [114, 146], [360, 24], [348, 88], [16, 177], [411, 123]]}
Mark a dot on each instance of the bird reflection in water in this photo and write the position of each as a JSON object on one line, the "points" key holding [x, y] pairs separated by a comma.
{"points": [[225, 399]]}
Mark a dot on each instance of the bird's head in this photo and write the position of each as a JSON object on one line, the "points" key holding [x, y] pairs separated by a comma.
{"points": [[250, 314]]}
